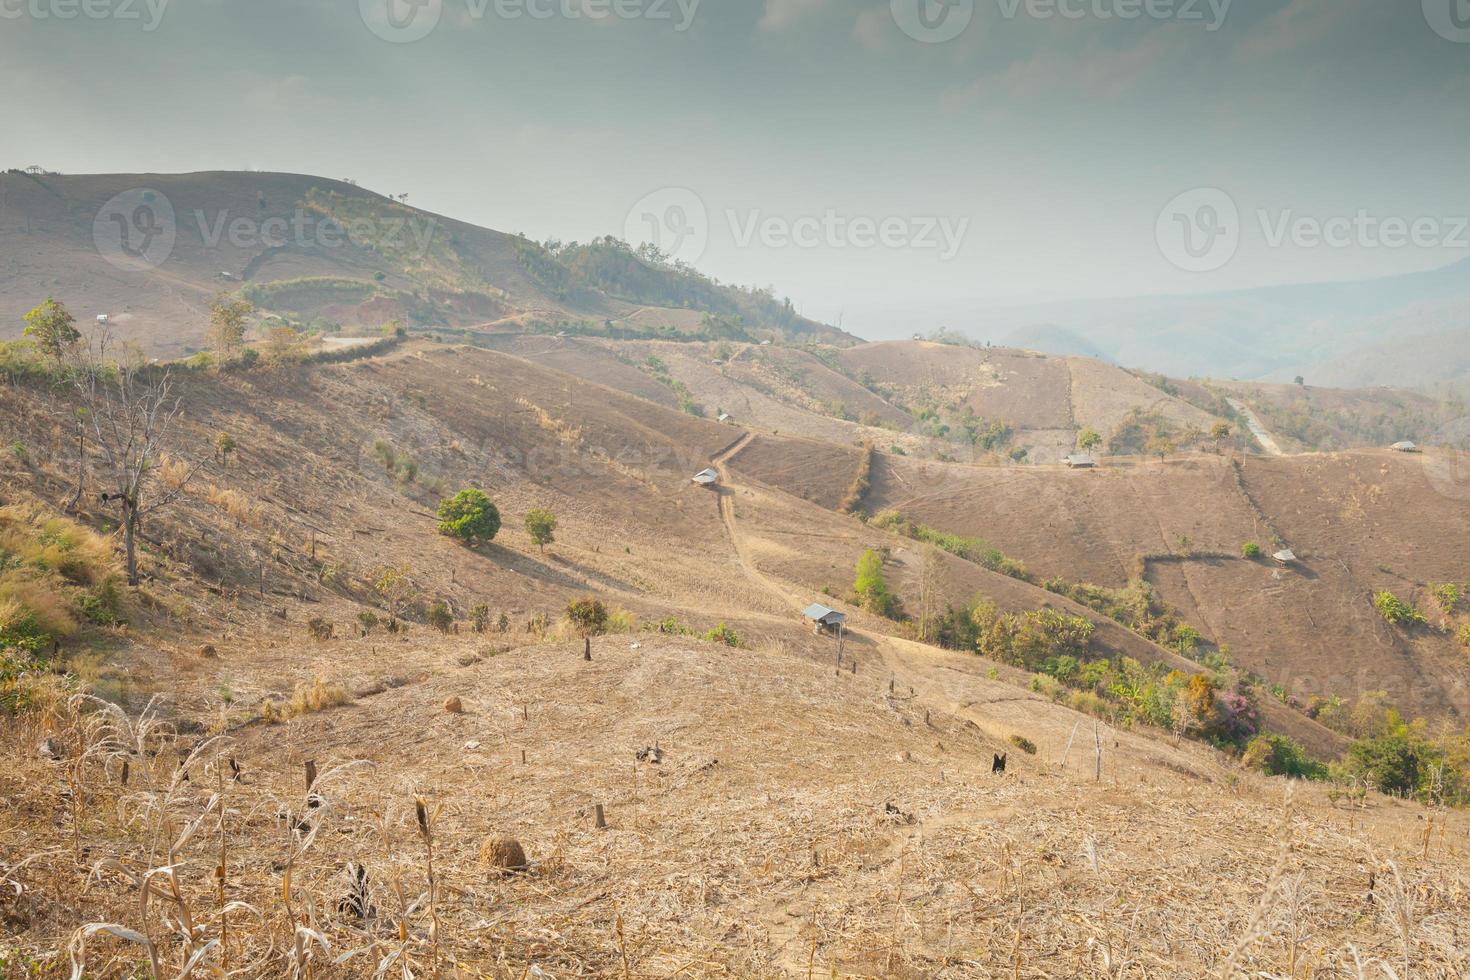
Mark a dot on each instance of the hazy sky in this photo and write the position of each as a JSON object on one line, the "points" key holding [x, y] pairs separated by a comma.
{"points": [[850, 152]]}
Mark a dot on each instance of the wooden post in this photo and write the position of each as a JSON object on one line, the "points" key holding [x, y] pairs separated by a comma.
{"points": [[313, 544], [587, 648], [310, 774], [599, 820], [1068, 750], [1097, 758], [523, 757]]}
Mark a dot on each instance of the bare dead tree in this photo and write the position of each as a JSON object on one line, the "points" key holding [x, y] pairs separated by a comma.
{"points": [[132, 408]]}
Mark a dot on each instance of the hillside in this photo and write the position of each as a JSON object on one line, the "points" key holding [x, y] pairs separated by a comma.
{"points": [[331, 256], [793, 815], [929, 400], [1311, 418], [1361, 523]]}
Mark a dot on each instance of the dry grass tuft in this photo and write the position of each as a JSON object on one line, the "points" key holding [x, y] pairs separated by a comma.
{"points": [[173, 473], [235, 504], [305, 700]]}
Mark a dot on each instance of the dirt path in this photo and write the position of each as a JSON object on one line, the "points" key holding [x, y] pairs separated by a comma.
{"points": [[937, 677], [1267, 441]]}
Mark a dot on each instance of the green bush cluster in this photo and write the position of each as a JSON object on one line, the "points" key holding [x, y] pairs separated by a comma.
{"points": [[871, 588], [1395, 610], [1280, 755], [470, 516], [724, 634], [969, 548]]}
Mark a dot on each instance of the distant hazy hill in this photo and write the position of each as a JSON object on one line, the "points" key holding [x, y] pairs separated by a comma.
{"points": [[152, 250], [1403, 330]]}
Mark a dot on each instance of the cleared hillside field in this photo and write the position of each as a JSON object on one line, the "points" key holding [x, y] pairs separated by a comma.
{"points": [[1360, 522], [796, 823], [797, 818]]}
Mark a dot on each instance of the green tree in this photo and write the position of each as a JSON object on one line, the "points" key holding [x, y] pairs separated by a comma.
{"points": [[541, 526], [224, 445], [1219, 432], [227, 321], [470, 516], [1160, 445], [1250, 551], [1089, 439], [588, 615], [52, 328], [872, 588], [1394, 762]]}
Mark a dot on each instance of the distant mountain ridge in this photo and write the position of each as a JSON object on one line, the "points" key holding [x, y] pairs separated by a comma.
{"points": [[1407, 330], [151, 251]]}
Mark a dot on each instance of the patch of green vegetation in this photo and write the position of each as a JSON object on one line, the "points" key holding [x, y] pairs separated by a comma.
{"points": [[1396, 611], [724, 634]]}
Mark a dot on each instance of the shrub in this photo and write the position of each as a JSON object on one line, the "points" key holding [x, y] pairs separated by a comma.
{"points": [[1465, 636], [1393, 762], [439, 617], [469, 516], [723, 634], [1250, 551], [668, 626], [480, 617], [1279, 755], [319, 629], [368, 620], [588, 616], [1448, 595], [1024, 744], [541, 526], [1395, 610], [308, 698], [872, 588]]}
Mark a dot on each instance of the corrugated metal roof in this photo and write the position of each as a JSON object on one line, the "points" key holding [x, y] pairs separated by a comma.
{"points": [[821, 614]]}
